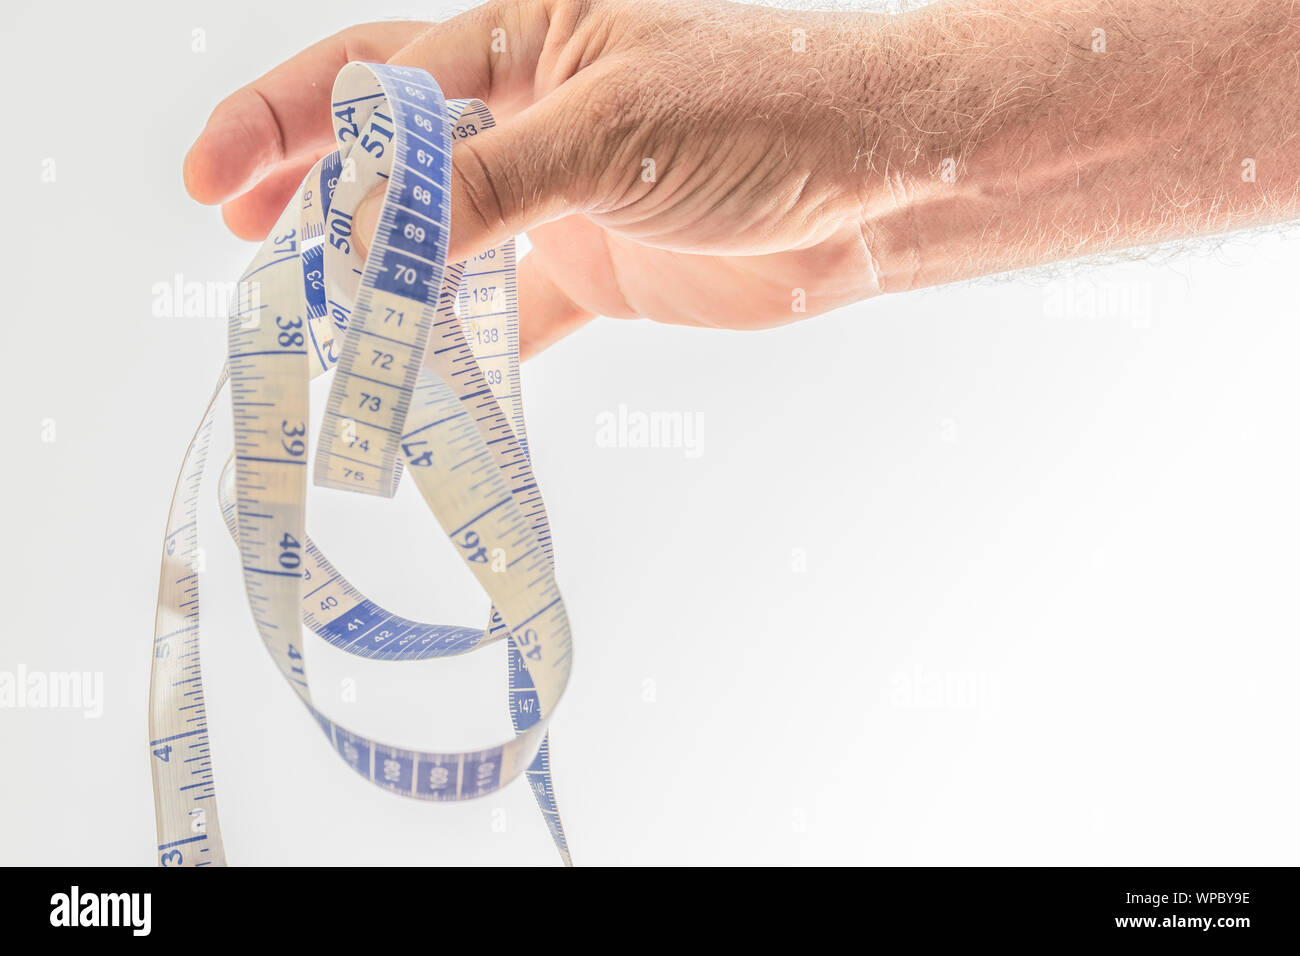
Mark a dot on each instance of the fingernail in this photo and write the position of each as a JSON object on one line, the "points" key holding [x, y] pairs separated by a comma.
{"points": [[366, 220]]}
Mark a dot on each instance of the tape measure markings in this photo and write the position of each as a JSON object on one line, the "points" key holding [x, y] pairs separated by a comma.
{"points": [[444, 422]]}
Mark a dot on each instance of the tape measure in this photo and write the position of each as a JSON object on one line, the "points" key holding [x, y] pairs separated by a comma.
{"points": [[425, 358]]}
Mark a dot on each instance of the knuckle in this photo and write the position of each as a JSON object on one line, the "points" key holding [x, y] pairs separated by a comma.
{"points": [[620, 123], [586, 17], [485, 191], [353, 41], [572, 11], [254, 122]]}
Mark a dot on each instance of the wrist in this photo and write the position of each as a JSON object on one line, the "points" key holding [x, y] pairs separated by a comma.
{"points": [[912, 173], [993, 133], [1003, 136], [989, 127]]}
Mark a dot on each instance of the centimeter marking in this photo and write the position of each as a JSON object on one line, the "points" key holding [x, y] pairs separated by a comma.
{"points": [[456, 423], [178, 725], [395, 305]]}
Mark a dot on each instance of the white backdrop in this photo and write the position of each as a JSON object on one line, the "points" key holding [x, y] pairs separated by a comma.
{"points": [[998, 573]]}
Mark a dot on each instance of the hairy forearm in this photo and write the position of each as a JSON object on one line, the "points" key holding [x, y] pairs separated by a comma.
{"points": [[1009, 134]]}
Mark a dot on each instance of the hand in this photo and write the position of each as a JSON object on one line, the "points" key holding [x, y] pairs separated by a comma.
{"points": [[715, 164], [686, 162]]}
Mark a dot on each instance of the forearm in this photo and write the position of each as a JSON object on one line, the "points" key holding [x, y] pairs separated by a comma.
{"points": [[1009, 135]]}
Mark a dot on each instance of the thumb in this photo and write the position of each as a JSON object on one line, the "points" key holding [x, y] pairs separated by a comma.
{"points": [[510, 178]]}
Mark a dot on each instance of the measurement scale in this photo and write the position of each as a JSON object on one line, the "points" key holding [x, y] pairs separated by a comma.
{"points": [[425, 362]]}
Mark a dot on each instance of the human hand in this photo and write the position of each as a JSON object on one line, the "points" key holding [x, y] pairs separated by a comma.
{"points": [[693, 163], [709, 163]]}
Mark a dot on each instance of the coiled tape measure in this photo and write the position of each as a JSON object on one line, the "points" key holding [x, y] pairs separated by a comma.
{"points": [[426, 377]]}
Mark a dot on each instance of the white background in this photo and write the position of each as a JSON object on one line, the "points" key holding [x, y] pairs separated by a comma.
{"points": [[1048, 613]]}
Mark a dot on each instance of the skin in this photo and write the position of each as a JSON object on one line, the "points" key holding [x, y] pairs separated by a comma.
{"points": [[865, 154]]}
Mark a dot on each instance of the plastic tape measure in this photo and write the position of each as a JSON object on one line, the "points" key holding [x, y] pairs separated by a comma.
{"points": [[426, 377]]}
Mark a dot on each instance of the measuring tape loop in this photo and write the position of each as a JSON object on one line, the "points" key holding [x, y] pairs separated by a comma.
{"points": [[425, 363]]}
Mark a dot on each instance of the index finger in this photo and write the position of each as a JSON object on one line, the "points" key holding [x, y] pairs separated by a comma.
{"points": [[492, 53], [283, 114]]}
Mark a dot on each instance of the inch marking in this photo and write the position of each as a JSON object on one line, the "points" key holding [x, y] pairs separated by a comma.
{"points": [[324, 302]]}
